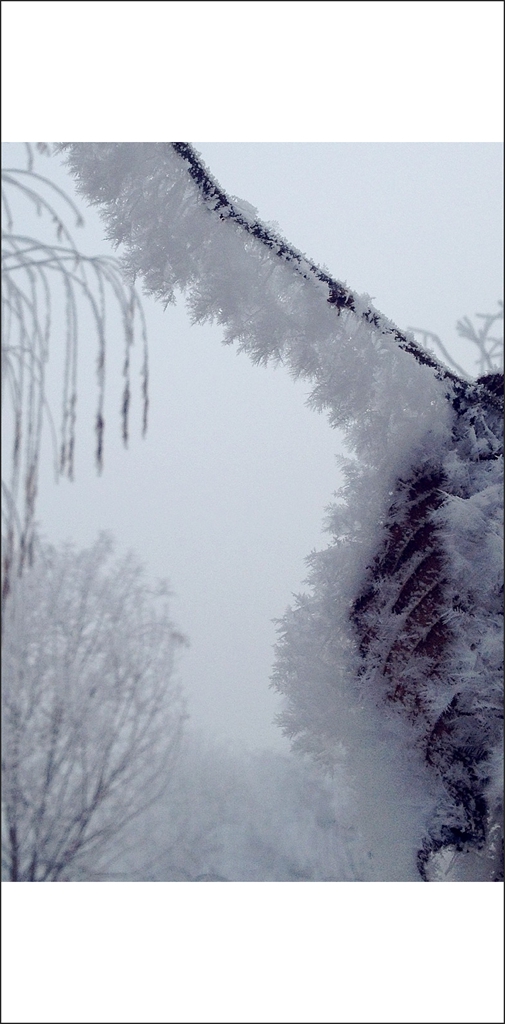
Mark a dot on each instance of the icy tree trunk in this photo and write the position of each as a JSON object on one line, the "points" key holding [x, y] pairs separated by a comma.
{"points": [[430, 606]]}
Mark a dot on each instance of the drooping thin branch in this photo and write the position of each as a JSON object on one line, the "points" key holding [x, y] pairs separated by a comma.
{"points": [[31, 268]]}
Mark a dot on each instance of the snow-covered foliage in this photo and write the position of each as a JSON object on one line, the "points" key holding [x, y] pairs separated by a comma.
{"points": [[91, 715], [391, 662]]}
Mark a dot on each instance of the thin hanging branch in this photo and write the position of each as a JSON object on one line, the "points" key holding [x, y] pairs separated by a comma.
{"points": [[32, 272]]}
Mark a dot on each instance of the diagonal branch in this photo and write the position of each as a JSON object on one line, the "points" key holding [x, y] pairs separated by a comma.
{"points": [[339, 295]]}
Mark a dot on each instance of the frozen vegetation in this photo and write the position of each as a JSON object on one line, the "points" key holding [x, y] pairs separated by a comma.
{"points": [[390, 667]]}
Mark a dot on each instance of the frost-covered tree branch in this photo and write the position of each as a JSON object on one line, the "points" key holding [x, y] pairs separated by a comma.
{"points": [[393, 659], [153, 195]]}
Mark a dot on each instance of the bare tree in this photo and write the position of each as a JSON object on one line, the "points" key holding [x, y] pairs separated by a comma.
{"points": [[44, 282], [92, 716]]}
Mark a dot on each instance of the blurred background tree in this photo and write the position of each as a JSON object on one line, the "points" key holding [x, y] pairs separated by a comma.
{"points": [[92, 716], [489, 355]]}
